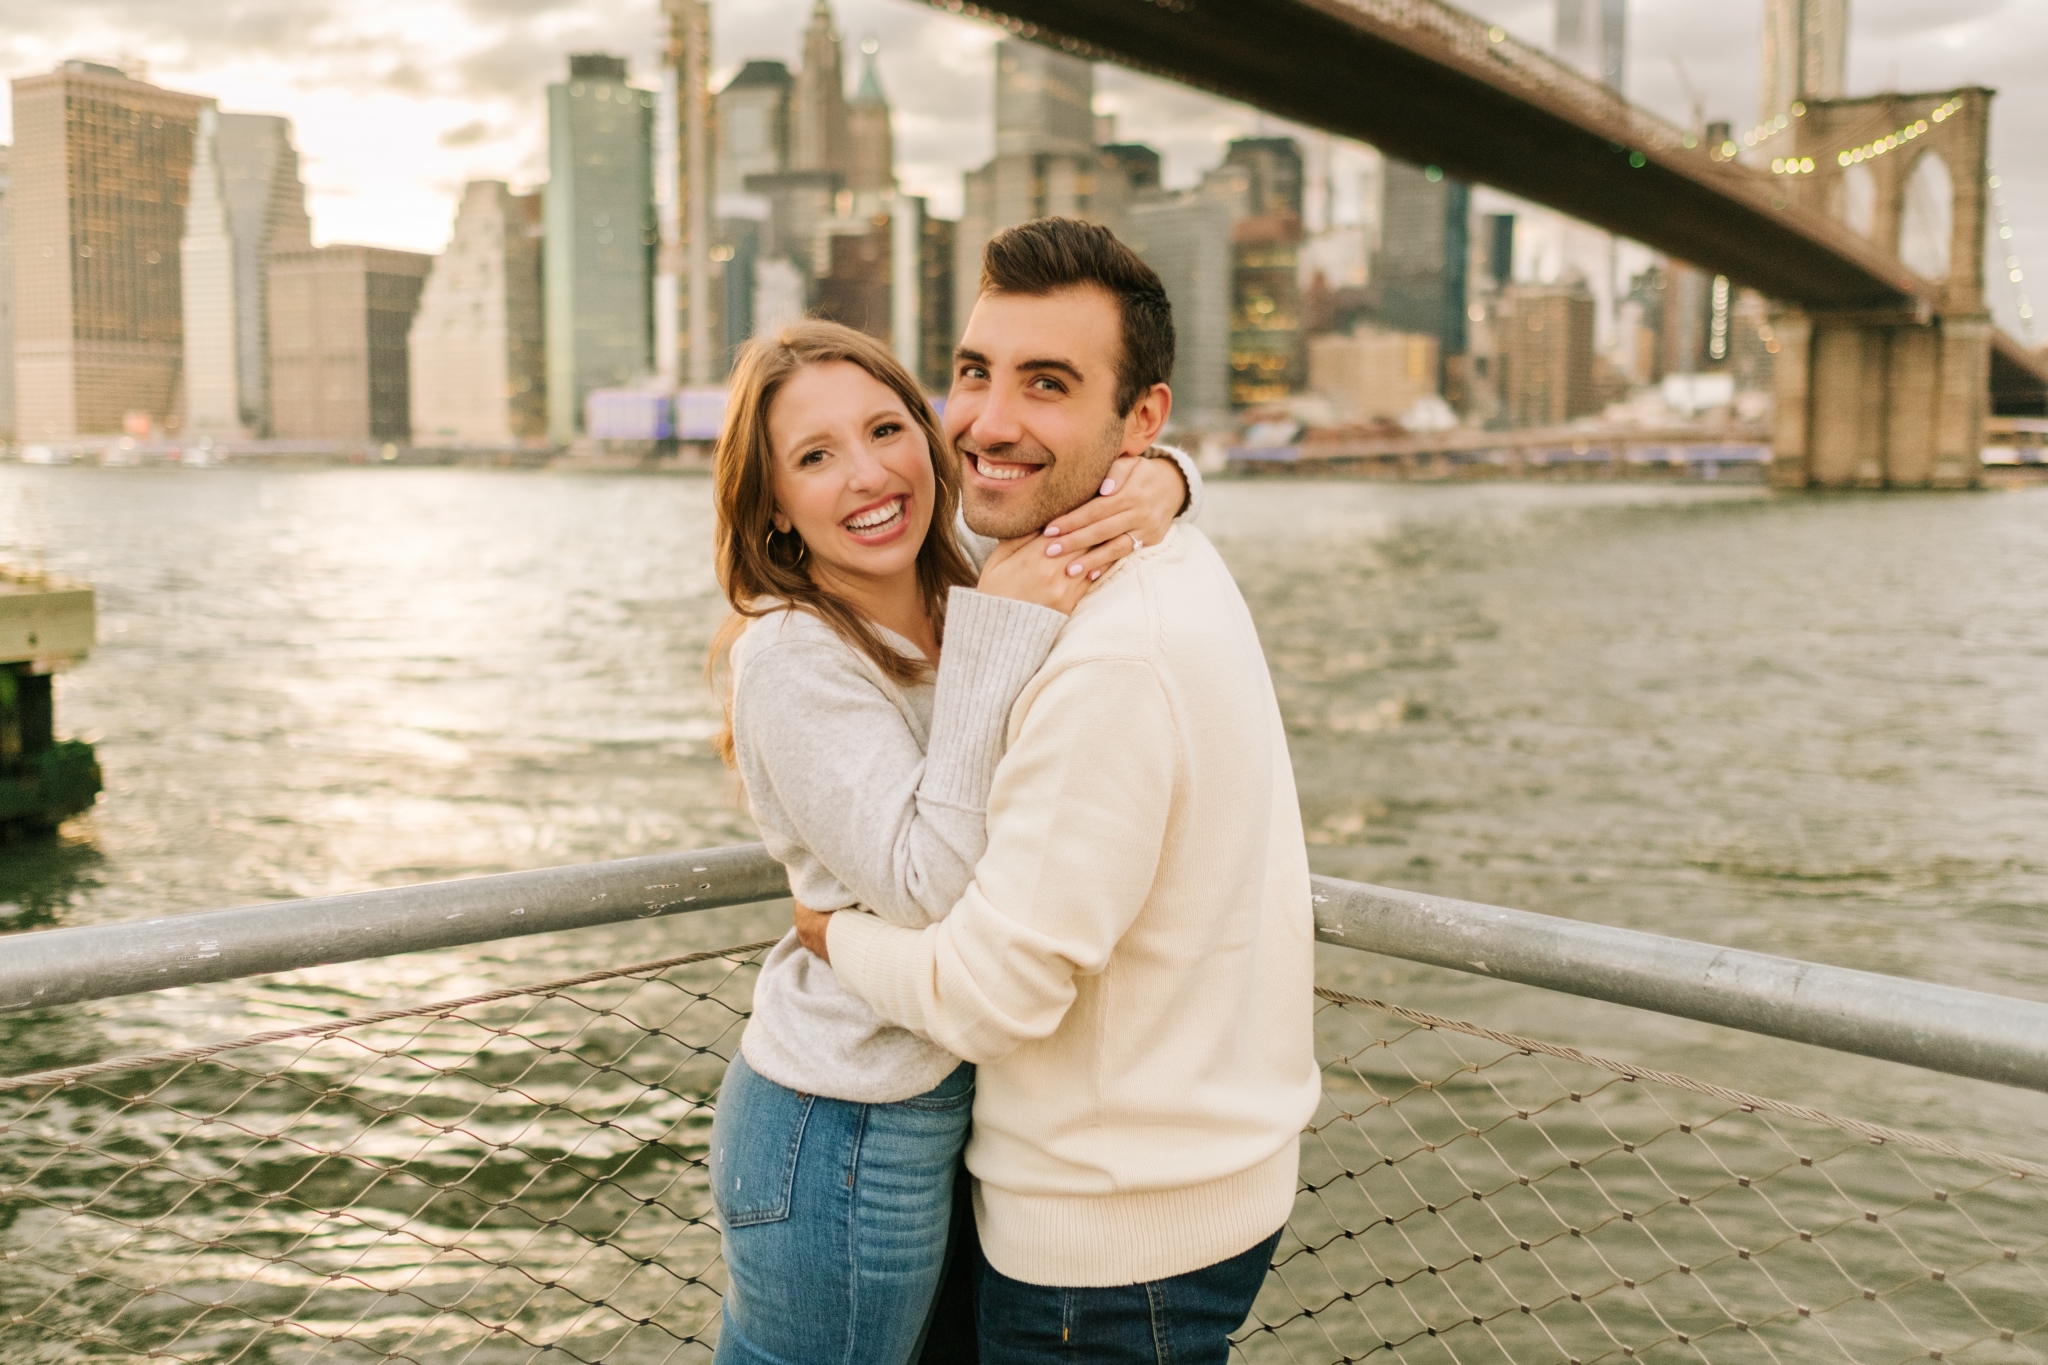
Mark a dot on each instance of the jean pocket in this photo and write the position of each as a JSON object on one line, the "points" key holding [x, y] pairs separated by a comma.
{"points": [[757, 1137], [955, 1092]]}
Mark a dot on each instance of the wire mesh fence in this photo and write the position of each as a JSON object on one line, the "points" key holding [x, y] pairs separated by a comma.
{"points": [[519, 1177], [511, 1177], [1473, 1196]]}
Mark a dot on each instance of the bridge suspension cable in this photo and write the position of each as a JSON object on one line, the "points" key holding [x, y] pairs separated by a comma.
{"points": [[2013, 273]]}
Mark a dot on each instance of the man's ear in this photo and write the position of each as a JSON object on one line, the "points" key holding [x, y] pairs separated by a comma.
{"points": [[1146, 419]]}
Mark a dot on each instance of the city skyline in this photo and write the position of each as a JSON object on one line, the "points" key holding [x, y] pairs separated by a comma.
{"points": [[395, 107]]}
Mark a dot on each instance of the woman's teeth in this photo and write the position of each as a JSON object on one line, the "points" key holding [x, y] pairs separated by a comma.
{"points": [[876, 518], [1000, 471]]}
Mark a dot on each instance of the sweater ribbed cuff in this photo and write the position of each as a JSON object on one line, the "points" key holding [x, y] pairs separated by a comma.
{"points": [[1192, 507], [877, 961], [993, 646]]}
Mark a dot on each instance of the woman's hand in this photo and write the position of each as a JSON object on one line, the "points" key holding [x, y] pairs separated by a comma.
{"points": [[1055, 568], [810, 928], [1141, 497]]}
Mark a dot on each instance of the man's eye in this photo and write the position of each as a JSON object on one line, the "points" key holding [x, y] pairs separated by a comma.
{"points": [[973, 372], [1046, 384]]}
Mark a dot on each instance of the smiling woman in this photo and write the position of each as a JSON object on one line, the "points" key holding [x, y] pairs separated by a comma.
{"points": [[853, 483], [809, 414]]}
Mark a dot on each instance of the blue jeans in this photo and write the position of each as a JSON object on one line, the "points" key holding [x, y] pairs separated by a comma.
{"points": [[835, 1218], [1185, 1320]]}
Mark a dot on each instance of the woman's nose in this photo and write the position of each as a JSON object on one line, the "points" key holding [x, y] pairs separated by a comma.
{"points": [[864, 470]]}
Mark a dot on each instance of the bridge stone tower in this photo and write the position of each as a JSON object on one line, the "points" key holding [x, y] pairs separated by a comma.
{"points": [[1891, 398]]}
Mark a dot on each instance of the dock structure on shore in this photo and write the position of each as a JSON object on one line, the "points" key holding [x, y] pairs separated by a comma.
{"points": [[1541, 453], [519, 1174], [46, 625]]}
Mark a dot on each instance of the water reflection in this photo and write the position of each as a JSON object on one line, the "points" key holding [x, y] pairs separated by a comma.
{"points": [[41, 877]]}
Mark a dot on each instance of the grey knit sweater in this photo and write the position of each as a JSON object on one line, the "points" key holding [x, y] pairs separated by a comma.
{"points": [[871, 794]]}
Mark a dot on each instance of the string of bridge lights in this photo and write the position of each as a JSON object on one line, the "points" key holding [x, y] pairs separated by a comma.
{"points": [[1893, 141], [1774, 125], [1850, 156], [2012, 262]]}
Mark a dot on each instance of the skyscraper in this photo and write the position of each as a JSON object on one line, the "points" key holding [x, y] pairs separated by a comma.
{"points": [[853, 286], [1045, 101], [1593, 36], [1268, 359], [1546, 354], [600, 236], [6, 304], [339, 319], [266, 206], [937, 330], [1805, 52], [818, 113], [1046, 162], [101, 167], [1186, 240], [246, 201], [1274, 169], [1685, 319], [206, 257], [874, 276], [871, 147], [1421, 265], [684, 183], [476, 350], [753, 125]]}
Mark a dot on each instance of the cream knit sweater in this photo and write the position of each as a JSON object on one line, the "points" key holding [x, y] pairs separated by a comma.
{"points": [[1132, 965]]}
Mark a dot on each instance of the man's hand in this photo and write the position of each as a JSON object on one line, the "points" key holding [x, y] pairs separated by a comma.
{"points": [[810, 929]]}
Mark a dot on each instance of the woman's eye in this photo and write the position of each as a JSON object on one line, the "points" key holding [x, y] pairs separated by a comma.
{"points": [[886, 430], [809, 458]]}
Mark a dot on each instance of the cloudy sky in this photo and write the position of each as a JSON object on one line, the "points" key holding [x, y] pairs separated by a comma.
{"points": [[398, 102]]}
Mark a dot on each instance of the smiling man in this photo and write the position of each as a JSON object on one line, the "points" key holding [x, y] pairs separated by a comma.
{"points": [[1131, 967]]}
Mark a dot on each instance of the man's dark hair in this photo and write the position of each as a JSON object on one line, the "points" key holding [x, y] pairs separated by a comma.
{"points": [[1050, 254]]}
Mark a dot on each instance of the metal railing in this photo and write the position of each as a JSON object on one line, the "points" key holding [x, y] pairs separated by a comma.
{"points": [[1942, 1028], [518, 1175]]}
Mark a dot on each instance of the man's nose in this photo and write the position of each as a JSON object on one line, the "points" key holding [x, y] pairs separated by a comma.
{"points": [[999, 421]]}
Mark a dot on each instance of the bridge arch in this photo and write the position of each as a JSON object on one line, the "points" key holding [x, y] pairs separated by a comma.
{"points": [[1927, 216], [1856, 200], [1920, 158]]}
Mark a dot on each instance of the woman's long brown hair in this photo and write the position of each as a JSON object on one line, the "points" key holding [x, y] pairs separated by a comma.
{"points": [[760, 573]]}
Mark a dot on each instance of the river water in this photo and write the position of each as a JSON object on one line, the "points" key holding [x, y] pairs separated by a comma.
{"points": [[1809, 726]]}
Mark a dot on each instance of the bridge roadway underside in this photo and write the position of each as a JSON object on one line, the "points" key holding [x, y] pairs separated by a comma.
{"points": [[1435, 90], [1421, 97]]}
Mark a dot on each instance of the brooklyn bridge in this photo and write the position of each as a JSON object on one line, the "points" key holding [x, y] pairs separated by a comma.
{"points": [[1885, 374]]}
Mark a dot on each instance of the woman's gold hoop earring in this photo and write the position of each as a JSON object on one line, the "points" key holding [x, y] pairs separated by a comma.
{"points": [[768, 542]]}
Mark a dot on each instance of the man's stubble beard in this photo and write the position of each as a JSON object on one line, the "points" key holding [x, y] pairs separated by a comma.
{"points": [[1068, 481]]}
